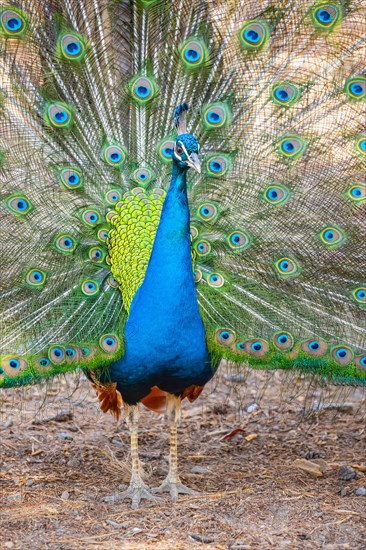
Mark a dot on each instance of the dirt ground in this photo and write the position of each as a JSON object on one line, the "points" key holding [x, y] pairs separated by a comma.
{"points": [[60, 456]]}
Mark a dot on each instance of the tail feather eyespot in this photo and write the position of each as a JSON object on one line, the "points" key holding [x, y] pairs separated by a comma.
{"points": [[254, 35], [291, 147], [65, 244], [90, 288], [35, 278], [216, 115], [326, 15], [114, 154], [238, 240], [72, 46], [285, 94], [91, 217], [315, 347], [276, 194], [202, 247], [360, 361], [283, 341], [359, 294], [109, 343], [193, 53], [14, 22], [254, 347], [12, 365], [207, 211], [357, 193], [59, 115], [142, 89], [361, 145], [215, 280], [57, 354], [287, 267], [19, 204], [355, 87], [342, 355], [225, 336], [332, 236]]}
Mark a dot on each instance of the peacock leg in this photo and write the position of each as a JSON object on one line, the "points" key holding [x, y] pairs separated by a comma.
{"points": [[172, 484], [137, 489]]}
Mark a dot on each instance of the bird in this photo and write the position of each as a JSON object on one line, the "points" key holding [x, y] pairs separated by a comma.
{"points": [[182, 184]]}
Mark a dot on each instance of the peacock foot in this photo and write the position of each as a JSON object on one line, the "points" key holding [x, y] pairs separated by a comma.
{"points": [[174, 487], [136, 492]]}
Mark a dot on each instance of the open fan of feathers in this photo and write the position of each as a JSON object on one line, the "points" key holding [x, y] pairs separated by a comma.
{"points": [[277, 92]]}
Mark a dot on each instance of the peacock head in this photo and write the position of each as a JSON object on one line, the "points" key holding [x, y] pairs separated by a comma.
{"points": [[186, 147], [185, 152]]}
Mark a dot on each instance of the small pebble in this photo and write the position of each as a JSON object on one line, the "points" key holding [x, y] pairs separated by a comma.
{"points": [[346, 473], [73, 462], [200, 470], [30, 482], [9, 544], [361, 492], [253, 407], [8, 424], [310, 455], [65, 495], [114, 524], [200, 538], [65, 436]]}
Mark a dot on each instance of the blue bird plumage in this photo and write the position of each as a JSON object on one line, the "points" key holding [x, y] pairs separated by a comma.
{"points": [[110, 265], [165, 340]]}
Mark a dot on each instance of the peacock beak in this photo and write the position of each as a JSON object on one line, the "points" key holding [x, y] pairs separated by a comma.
{"points": [[194, 162]]}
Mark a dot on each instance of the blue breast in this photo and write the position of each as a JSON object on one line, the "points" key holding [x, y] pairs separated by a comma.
{"points": [[165, 341]]}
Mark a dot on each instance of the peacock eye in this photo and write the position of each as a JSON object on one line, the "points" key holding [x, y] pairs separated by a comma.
{"points": [[342, 355], [90, 288], [72, 46], [109, 343], [114, 155], [283, 340], [359, 294], [13, 22], [18, 204], [317, 348], [59, 115], [179, 149], [65, 244], [332, 237], [225, 336], [287, 267], [238, 240], [57, 354], [326, 16], [91, 217], [35, 278], [142, 89]]}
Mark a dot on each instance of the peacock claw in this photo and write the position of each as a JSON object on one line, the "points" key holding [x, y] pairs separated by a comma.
{"points": [[136, 493], [174, 488]]}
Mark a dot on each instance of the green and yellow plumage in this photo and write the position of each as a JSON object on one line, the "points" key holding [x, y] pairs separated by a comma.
{"points": [[131, 238], [277, 95]]}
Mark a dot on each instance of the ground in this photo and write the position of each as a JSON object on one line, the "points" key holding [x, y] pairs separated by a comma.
{"points": [[60, 456]]}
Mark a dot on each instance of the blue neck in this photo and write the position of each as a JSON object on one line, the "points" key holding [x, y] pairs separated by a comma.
{"points": [[170, 264], [165, 341]]}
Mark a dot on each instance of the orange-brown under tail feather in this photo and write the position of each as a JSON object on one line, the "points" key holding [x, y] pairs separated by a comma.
{"points": [[110, 399]]}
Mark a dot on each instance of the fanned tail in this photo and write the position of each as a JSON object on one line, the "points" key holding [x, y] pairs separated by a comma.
{"points": [[277, 94]]}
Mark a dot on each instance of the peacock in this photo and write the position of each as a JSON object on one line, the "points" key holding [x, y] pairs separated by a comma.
{"points": [[182, 183]]}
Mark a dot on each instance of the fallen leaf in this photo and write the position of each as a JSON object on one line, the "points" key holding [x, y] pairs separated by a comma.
{"points": [[308, 467], [232, 434], [359, 467]]}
